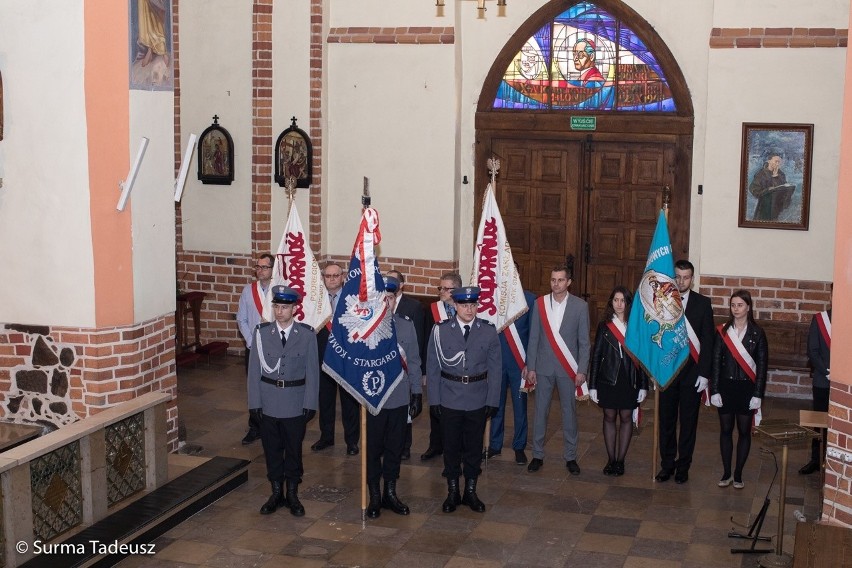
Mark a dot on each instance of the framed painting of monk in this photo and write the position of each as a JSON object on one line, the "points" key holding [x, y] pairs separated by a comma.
{"points": [[293, 157], [215, 155], [775, 175]]}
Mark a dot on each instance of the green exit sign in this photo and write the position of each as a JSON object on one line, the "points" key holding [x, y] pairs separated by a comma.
{"points": [[584, 123]]}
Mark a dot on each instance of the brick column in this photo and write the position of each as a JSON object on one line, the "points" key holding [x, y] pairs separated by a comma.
{"points": [[261, 103]]}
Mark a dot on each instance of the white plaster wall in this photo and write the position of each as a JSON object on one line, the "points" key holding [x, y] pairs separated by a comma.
{"points": [[215, 78], [291, 77], [744, 88], [392, 116], [152, 204], [45, 226]]}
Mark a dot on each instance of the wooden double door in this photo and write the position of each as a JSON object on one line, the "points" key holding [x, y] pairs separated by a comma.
{"points": [[596, 200]]}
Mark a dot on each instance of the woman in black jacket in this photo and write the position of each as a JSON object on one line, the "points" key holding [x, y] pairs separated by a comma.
{"points": [[616, 383], [740, 358]]}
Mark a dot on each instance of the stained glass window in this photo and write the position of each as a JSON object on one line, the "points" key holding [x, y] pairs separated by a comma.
{"points": [[585, 59]]}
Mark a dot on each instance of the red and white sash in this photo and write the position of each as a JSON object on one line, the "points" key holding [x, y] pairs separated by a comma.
{"points": [[619, 329], [560, 349], [257, 293], [695, 352], [439, 312], [743, 358], [516, 347], [824, 323]]}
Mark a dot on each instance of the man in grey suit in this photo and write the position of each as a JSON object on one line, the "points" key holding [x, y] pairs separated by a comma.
{"points": [[546, 362], [463, 373], [283, 385]]}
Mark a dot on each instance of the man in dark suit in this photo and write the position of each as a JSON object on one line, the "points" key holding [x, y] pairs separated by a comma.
{"points": [[819, 354], [463, 374], [283, 388], [682, 398], [545, 370], [411, 308], [350, 410]]}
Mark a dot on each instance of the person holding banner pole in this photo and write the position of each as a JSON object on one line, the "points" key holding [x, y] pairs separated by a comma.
{"points": [[249, 315], [463, 371], [386, 430], [442, 310], [740, 361], [681, 399], [558, 357], [616, 383], [819, 355]]}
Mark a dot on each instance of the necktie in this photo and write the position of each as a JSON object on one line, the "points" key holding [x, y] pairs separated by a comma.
{"points": [[466, 332], [334, 303], [451, 310], [283, 339]]}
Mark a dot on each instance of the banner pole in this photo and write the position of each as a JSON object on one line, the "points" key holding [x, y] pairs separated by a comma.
{"points": [[656, 430], [363, 463]]}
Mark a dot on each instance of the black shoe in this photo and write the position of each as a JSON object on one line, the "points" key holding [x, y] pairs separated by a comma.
{"points": [[663, 475], [681, 476], [374, 509], [573, 467], [535, 465], [405, 455], [453, 499], [609, 469], [491, 452], [809, 468], [470, 498], [430, 453], [618, 468], [352, 450], [291, 500], [520, 457], [391, 501], [252, 436], [320, 445], [274, 500]]}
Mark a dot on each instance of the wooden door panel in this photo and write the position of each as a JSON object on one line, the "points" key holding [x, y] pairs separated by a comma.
{"points": [[514, 200], [645, 206], [607, 244], [640, 243], [552, 166], [550, 205], [516, 163], [648, 169], [518, 233], [601, 283], [608, 205], [609, 167]]}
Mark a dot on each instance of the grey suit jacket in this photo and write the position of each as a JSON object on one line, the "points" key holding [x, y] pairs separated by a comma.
{"points": [[482, 355], [298, 360], [406, 336], [574, 330]]}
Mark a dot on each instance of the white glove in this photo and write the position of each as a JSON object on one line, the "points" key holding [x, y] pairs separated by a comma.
{"points": [[642, 394], [828, 374], [700, 384], [754, 403], [593, 394], [716, 400]]}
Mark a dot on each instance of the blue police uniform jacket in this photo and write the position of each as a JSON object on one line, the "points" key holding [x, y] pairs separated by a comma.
{"points": [[295, 361], [406, 336], [481, 354]]}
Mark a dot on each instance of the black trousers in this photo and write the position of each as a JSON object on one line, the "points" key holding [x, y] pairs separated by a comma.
{"points": [[349, 410], [282, 447], [678, 403], [436, 436], [463, 434], [254, 426], [385, 439], [820, 404]]}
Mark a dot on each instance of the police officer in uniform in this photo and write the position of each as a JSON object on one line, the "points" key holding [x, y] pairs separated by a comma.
{"points": [[283, 386], [386, 431], [463, 373]]}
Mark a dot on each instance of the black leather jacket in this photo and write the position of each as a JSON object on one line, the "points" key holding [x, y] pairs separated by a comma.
{"points": [[607, 360], [725, 367]]}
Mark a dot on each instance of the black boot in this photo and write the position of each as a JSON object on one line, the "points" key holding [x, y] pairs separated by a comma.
{"points": [[291, 500], [453, 499], [391, 501], [274, 500], [470, 498], [374, 509]]}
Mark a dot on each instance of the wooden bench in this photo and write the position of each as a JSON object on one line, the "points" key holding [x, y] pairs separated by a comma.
{"points": [[143, 520], [820, 545]]}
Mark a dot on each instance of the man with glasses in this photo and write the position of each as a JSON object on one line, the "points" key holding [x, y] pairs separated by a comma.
{"points": [[442, 310], [332, 275], [249, 315], [463, 371]]}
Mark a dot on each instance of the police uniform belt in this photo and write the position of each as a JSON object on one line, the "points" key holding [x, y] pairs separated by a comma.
{"points": [[464, 378], [282, 384]]}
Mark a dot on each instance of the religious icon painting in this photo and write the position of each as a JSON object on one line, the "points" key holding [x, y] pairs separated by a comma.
{"points": [[293, 157], [215, 155]]}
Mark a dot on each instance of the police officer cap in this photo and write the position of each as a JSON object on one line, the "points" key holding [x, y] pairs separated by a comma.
{"points": [[466, 295], [391, 284], [284, 295]]}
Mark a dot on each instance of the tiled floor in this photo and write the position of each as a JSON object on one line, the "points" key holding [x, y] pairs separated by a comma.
{"points": [[545, 519]]}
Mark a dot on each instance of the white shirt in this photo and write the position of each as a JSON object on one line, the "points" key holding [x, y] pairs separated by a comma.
{"points": [[558, 308], [286, 331]]}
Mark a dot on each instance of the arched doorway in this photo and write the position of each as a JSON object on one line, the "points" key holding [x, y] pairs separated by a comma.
{"points": [[592, 120]]}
